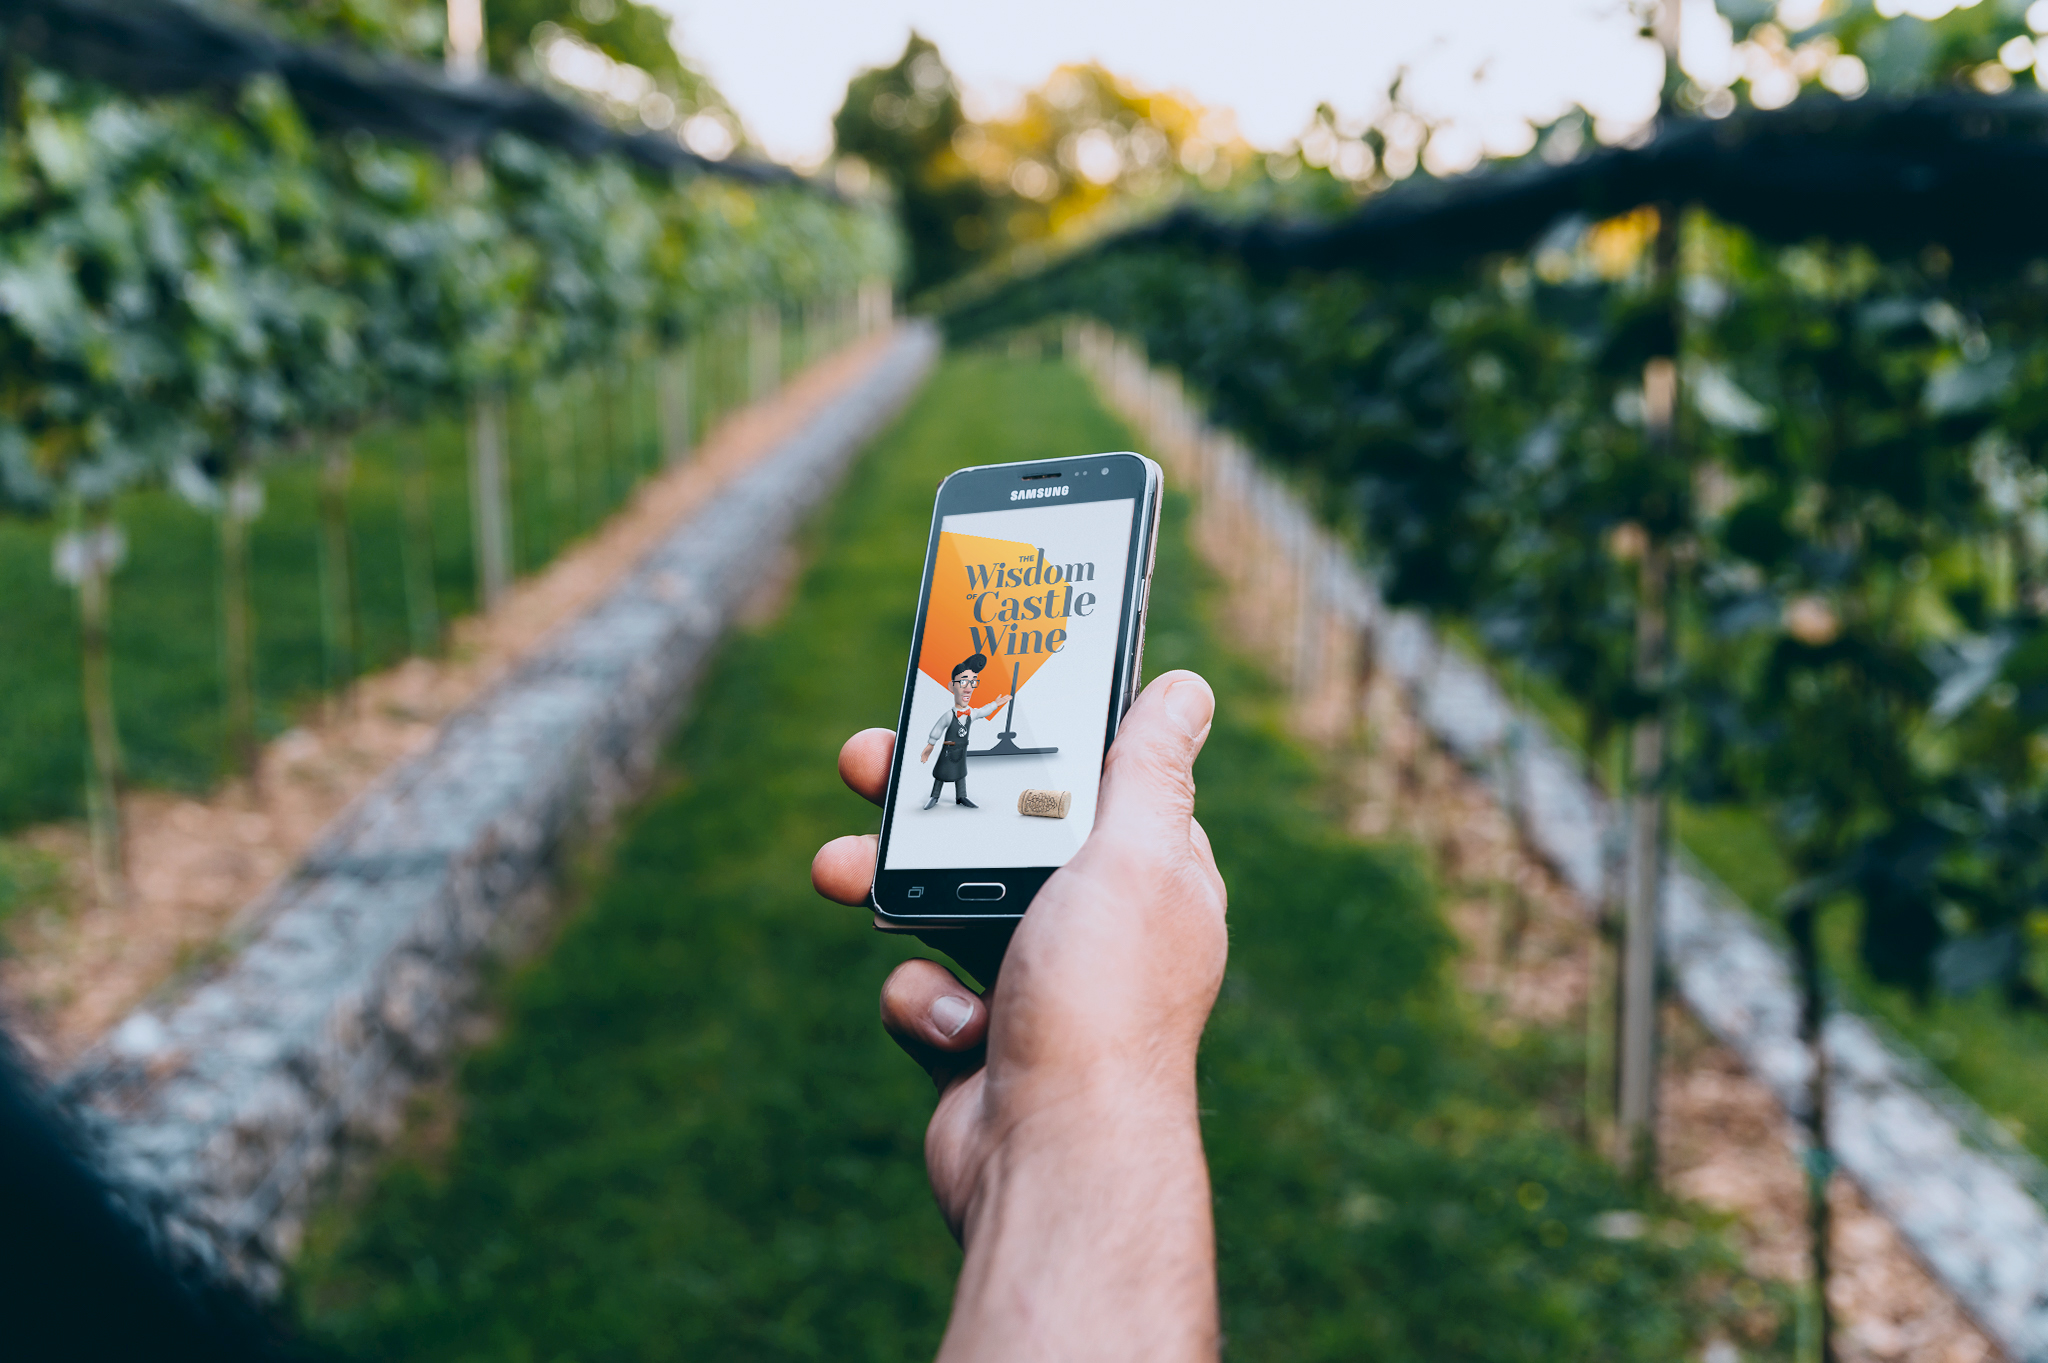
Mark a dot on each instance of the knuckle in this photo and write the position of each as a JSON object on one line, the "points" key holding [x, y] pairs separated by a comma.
{"points": [[1159, 761], [904, 978]]}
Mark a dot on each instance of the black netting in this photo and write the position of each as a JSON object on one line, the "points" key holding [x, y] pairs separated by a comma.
{"points": [[166, 47], [1968, 173]]}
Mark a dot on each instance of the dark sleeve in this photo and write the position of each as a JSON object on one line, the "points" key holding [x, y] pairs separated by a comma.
{"points": [[80, 1276]]}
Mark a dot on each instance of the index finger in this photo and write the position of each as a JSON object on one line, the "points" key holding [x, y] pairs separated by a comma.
{"points": [[864, 762]]}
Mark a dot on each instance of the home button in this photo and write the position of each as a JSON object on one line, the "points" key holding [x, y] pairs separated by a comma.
{"points": [[983, 889]]}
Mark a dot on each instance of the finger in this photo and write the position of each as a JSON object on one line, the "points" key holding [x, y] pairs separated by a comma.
{"points": [[1148, 782], [938, 1021], [844, 869], [864, 762]]}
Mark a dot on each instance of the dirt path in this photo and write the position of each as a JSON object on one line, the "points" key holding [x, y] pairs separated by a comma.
{"points": [[76, 966]]}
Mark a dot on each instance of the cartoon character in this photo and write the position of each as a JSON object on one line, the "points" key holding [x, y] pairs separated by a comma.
{"points": [[950, 730]]}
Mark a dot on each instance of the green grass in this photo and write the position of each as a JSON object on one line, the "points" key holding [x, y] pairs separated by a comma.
{"points": [[29, 879], [569, 470], [1735, 844], [692, 1139]]}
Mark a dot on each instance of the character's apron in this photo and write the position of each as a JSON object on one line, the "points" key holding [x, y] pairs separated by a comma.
{"points": [[952, 763]]}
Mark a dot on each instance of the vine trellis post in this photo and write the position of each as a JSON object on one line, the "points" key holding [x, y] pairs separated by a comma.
{"points": [[465, 39], [85, 557], [677, 390], [490, 497], [422, 609], [764, 351], [1648, 813], [241, 502], [1642, 879], [610, 420], [1800, 925], [489, 492], [338, 625]]}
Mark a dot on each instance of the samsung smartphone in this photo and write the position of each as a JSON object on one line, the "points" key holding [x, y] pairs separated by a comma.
{"points": [[1030, 634]]}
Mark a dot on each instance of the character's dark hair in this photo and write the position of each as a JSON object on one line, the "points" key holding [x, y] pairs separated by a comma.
{"points": [[977, 664], [81, 1277]]}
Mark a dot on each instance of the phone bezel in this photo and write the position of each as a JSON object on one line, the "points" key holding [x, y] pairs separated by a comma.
{"points": [[987, 487]]}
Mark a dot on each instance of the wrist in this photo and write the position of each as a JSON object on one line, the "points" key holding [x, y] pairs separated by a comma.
{"points": [[1089, 1233], [1068, 1118], [1065, 1106]]}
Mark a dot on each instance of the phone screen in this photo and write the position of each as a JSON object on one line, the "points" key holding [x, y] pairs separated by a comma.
{"points": [[1002, 746]]}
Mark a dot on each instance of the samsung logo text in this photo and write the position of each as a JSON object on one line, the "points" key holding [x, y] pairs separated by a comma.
{"points": [[1027, 494]]}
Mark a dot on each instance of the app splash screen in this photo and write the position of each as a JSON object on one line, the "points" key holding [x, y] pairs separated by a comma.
{"points": [[1036, 593]]}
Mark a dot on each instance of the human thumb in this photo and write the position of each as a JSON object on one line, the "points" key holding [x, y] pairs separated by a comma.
{"points": [[1149, 775]]}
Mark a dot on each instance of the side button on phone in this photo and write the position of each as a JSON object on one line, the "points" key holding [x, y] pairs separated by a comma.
{"points": [[983, 890]]}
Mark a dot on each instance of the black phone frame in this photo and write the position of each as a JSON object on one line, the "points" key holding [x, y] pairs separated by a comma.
{"points": [[987, 487]]}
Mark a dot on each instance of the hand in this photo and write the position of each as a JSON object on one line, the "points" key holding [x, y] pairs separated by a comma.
{"points": [[1065, 1150], [922, 758]]}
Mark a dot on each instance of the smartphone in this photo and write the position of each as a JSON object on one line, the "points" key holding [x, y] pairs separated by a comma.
{"points": [[1029, 641]]}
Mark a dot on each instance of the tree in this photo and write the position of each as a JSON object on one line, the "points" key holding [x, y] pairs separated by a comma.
{"points": [[901, 120]]}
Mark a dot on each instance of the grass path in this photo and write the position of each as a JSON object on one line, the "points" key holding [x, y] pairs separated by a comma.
{"points": [[692, 1139]]}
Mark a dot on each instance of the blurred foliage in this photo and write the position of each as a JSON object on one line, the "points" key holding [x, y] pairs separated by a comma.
{"points": [[1858, 511], [195, 289], [417, 29], [692, 1138], [623, 30], [1846, 48], [187, 286], [1996, 1054], [900, 121], [968, 192], [1087, 140], [626, 31]]}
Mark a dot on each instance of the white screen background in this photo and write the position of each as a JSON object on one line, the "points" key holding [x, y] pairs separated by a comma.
{"points": [[1066, 705]]}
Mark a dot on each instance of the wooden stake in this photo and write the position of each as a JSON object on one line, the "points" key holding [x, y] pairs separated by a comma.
{"points": [[337, 571], [422, 608], [1643, 877], [240, 506], [1602, 983], [86, 558], [490, 511], [764, 351], [676, 433]]}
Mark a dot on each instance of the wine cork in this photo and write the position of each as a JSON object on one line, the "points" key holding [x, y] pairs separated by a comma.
{"points": [[1045, 804]]}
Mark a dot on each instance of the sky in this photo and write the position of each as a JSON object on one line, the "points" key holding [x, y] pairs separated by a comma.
{"points": [[1488, 67]]}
